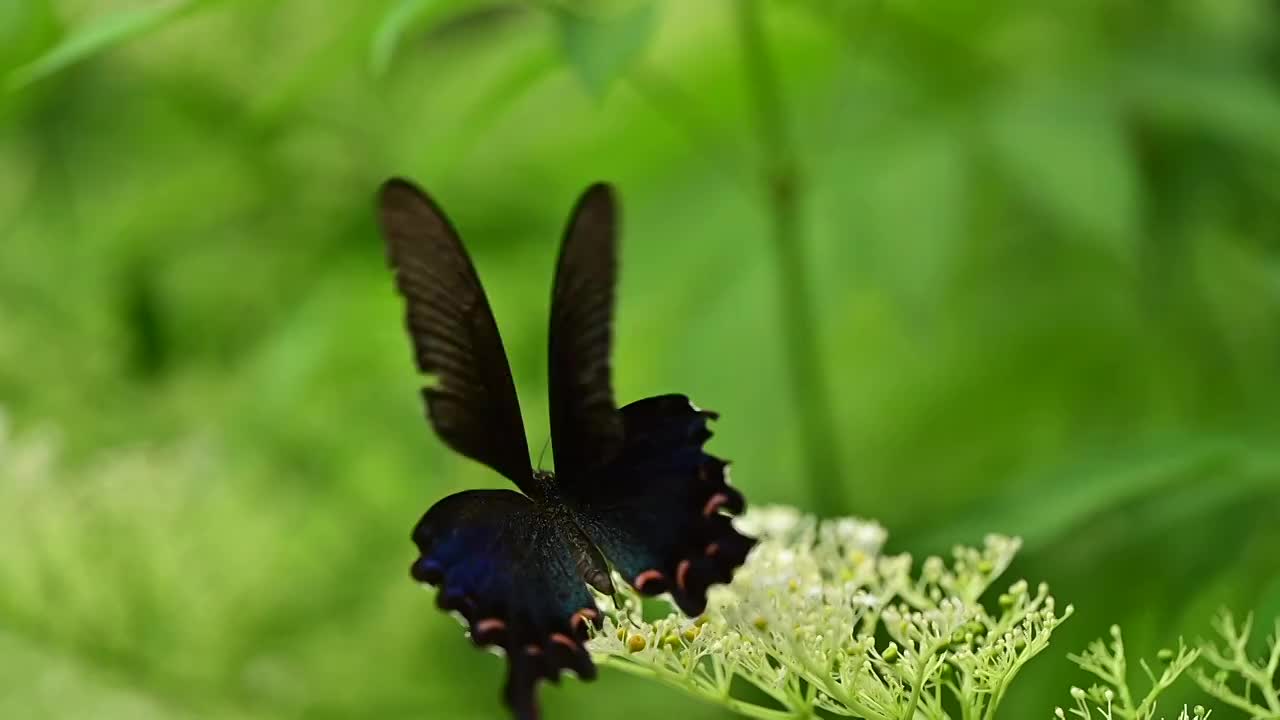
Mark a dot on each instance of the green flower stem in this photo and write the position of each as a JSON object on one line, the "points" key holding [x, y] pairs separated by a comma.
{"points": [[1236, 660], [1263, 677], [917, 683], [817, 673], [966, 705], [1254, 710], [740, 707], [1121, 671], [784, 184]]}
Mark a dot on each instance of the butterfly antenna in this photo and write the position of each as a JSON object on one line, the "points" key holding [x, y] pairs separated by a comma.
{"points": [[630, 620], [625, 608]]}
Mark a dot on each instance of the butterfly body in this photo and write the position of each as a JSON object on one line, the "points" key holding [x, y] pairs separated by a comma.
{"points": [[634, 490]]}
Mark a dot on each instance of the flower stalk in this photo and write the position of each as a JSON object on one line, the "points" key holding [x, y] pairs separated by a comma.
{"points": [[784, 187]]}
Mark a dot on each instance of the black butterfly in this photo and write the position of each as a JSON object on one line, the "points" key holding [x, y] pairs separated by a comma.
{"points": [[632, 484]]}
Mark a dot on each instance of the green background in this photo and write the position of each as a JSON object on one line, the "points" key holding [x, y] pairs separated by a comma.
{"points": [[1042, 241]]}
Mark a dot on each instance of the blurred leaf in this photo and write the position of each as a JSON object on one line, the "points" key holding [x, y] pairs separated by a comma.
{"points": [[1054, 505], [26, 27], [402, 18], [394, 24], [1269, 604], [601, 48], [509, 88], [100, 35], [1069, 155], [1241, 107], [242, 424]]}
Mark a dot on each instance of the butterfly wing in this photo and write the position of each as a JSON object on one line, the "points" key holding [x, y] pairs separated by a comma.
{"points": [[586, 428], [472, 405], [657, 510], [499, 560]]}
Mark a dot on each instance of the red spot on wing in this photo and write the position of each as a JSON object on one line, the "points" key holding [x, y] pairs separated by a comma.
{"points": [[715, 503], [578, 621], [564, 641], [682, 571], [648, 577]]}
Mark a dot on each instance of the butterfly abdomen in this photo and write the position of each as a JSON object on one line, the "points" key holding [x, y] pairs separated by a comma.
{"points": [[591, 565]]}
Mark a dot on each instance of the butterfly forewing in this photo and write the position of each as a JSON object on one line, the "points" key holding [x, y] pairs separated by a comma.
{"points": [[586, 429], [472, 403]]}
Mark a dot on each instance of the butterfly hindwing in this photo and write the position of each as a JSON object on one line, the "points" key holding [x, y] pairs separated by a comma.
{"points": [[586, 428], [658, 509], [472, 404], [500, 561]]}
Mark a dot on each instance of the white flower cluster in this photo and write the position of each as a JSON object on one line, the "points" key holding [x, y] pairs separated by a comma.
{"points": [[801, 619]]}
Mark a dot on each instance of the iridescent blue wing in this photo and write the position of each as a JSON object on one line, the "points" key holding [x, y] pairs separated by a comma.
{"points": [[472, 402], [499, 560], [586, 428], [659, 510]]}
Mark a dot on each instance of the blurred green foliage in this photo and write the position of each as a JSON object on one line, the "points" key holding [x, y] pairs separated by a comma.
{"points": [[1043, 242]]}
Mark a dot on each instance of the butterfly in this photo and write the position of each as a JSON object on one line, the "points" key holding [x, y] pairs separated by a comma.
{"points": [[633, 490]]}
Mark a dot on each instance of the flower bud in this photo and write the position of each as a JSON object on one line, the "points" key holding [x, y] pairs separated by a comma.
{"points": [[890, 654]]}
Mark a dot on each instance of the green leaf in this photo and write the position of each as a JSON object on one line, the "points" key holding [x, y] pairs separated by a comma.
{"points": [[399, 18], [1169, 475], [1067, 153], [1269, 601], [404, 17], [26, 28], [510, 87], [1240, 107], [100, 35], [602, 48]]}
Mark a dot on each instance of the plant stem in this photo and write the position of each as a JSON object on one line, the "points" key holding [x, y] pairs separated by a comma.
{"points": [[784, 185], [917, 684], [740, 707]]}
